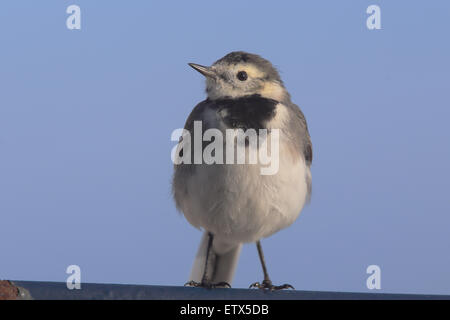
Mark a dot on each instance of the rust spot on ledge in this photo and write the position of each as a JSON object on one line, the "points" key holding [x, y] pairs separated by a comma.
{"points": [[8, 291]]}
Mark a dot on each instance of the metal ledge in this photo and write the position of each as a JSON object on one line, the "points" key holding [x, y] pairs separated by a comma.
{"points": [[26, 290]]}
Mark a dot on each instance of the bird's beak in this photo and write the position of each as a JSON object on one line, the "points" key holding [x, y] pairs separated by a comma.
{"points": [[206, 71]]}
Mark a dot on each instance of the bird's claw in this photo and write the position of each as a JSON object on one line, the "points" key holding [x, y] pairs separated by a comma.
{"points": [[207, 284], [267, 285]]}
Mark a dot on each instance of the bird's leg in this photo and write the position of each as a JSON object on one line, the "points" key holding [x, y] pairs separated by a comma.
{"points": [[206, 282], [267, 283], [208, 252]]}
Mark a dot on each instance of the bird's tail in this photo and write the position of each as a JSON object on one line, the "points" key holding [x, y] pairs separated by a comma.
{"points": [[223, 259]]}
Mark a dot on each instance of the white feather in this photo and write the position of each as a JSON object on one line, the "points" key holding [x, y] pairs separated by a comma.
{"points": [[239, 205]]}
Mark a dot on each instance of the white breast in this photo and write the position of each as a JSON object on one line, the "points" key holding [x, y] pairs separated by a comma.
{"points": [[237, 203]]}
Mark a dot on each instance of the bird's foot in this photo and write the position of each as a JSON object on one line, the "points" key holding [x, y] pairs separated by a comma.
{"points": [[267, 285], [207, 284]]}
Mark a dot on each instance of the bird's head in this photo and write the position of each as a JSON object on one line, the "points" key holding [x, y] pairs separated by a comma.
{"points": [[240, 74]]}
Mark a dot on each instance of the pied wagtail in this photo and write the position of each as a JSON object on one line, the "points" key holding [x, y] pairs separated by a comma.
{"points": [[235, 203]]}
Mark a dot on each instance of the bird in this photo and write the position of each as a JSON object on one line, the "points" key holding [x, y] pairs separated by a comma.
{"points": [[234, 204]]}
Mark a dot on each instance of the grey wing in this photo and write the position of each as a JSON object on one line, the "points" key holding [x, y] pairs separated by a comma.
{"points": [[197, 114], [183, 171], [298, 128], [307, 144]]}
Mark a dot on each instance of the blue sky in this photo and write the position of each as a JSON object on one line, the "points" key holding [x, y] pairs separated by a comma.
{"points": [[86, 117]]}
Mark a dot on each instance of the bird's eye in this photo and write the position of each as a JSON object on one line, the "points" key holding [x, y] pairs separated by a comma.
{"points": [[242, 75]]}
